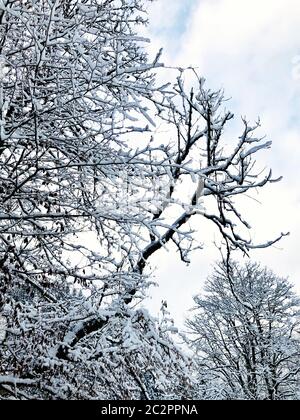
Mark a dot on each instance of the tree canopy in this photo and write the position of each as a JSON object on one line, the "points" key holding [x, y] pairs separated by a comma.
{"points": [[88, 194], [245, 329]]}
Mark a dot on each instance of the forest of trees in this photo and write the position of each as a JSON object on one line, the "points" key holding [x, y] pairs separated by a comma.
{"points": [[89, 192]]}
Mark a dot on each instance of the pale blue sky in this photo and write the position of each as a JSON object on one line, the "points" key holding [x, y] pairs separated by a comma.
{"points": [[178, 24], [251, 48]]}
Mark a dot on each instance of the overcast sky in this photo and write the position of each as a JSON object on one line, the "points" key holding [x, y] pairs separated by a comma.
{"points": [[251, 48]]}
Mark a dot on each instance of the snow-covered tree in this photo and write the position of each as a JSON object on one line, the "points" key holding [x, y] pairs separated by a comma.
{"points": [[245, 331], [88, 194]]}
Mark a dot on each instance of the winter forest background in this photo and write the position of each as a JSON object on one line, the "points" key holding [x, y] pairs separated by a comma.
{"points": [[148, 167]]}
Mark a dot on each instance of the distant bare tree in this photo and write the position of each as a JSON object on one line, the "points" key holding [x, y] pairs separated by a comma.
{"points": [[245, 330]]}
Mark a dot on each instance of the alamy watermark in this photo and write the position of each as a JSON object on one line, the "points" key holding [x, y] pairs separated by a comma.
{"points": [[3, 328], [131, 191], [2, 67], [296, 68]]}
